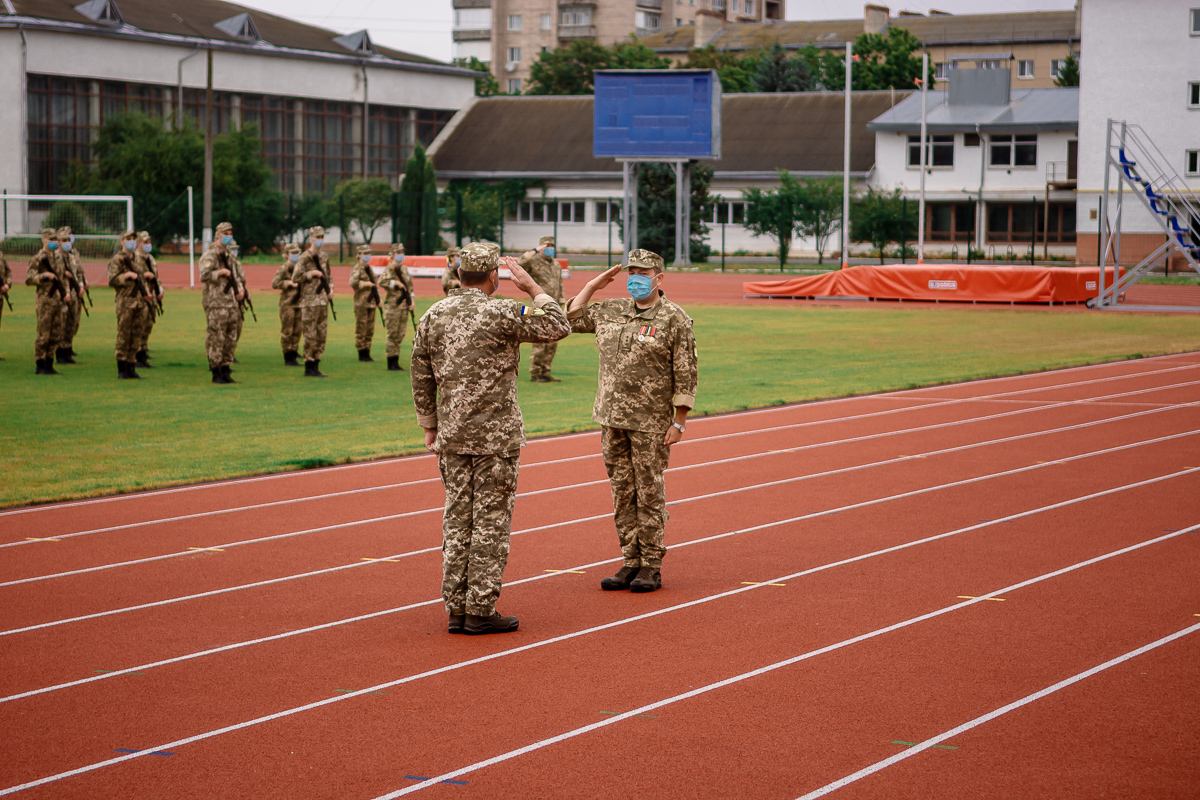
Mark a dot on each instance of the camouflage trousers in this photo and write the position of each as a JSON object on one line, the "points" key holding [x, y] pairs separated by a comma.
{"points": [[315, 322], [480, 493], [241, 321], [71, 312], [49, 326], [636, 461], [289, 327], [143, 334], [364, 327], [397, 325], [129, 325], [220, 340], [541, 358]]}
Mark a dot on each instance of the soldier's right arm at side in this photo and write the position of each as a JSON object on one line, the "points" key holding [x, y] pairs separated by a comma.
{"points": [[116, 268], [424, 385], [208, 268], [33, 275], [282, 274]]}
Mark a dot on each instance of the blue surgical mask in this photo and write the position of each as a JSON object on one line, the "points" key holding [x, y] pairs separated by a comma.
{"points": [[131, 245], [146, 248], [318, 243], [294, 257], [399, 258], [549, 252], [227, 240], [639, 286], [51, 245], [366, 259], [66, 246]]}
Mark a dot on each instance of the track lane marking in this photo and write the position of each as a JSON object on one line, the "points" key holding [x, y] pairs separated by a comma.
{"points": [[217, 484]]}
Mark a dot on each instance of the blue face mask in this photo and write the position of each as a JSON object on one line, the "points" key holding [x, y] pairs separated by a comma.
{"points": [[66, 246], [549, 252], [227, 240], [318, 243], [366, 259], [294, 257], [146, 248], [51, 245], [639, 286], [399, 259], [131, 245]]}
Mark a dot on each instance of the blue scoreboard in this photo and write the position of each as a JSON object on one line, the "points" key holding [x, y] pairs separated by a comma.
{"points": [[645, 113]]}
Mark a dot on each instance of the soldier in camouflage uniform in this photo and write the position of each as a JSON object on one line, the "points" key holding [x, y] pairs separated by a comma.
{"points": [[366, 300], [235, 260], [289, 305], [545, 270], [450, 274], [647, 385], [148, 266], [223, 294], [46, 273], [314, 277], [5, 284], [464, 383], [397, 306], [76, 283], [131, 302]]}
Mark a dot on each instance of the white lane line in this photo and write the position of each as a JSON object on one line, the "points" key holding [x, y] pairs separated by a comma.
{"points": [[544, 576], [745, 676], [999, 712], [562, 437], [701, 497], [607, 626], [697, 465]]}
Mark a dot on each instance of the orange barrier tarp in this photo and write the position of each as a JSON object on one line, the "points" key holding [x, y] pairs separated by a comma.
{"points": [[433, 266], [951, 282]]}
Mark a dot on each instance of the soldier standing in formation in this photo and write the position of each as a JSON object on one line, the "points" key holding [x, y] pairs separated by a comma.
{"points": [[131, 302], [148, 266], [289, 306], [222, 300], [366, 300], [450, 274], [464, 382], [77, 284], [5, 285], [46, 273], [313, 275], [398, 305], [545, 270], [234, 253], [647, 385]]}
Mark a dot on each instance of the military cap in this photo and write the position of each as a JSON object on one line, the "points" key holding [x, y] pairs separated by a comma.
{"points": [[491, 246], [453, 251], [64, 233], [224, 226], [547, 240], [291, 248], [396, 248], [364, 249], [128, 235], [316, 232], [143, 236], [646, 259], [478, 257], [49, 233]]}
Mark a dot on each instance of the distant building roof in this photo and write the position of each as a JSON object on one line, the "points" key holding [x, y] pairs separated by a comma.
{"points": [[210, 20], [1028, 110], [501, 137], [1029, 26]]}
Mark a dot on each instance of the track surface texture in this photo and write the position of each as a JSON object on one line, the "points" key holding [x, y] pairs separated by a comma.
{"points": [[977, 590]]}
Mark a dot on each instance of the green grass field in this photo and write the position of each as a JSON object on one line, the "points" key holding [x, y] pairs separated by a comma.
{"points": [[85, 433]]}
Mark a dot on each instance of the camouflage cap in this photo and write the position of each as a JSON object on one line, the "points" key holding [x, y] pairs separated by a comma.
{"points": [[491, 246], [396, 248], [316, 232], [224, 226], [291, 248], [49, 233], [645, 259], [453, 251], [363, 249], [128, 235], [547, 240], [64, 233], [478, 257], [143, 236]]}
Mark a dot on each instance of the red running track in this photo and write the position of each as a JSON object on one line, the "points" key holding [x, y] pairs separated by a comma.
{"points": [[888, 596]]}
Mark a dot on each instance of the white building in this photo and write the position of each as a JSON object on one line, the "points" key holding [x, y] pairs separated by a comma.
{"points": [[330, 107]]}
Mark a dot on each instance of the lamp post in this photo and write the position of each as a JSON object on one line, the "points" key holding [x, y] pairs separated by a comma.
{"points": [[206, 222], [846, 165], [924, 146]]}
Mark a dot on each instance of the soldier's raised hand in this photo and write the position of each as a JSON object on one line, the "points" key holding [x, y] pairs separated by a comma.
{"points": [[605, 278]]}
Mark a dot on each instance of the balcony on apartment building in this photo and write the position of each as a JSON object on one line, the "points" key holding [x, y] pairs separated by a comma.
{"points": [[575, 19], [655, 4], [472, 20]]}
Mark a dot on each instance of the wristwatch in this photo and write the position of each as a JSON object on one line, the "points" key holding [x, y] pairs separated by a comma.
{"points": [[677, 425]]}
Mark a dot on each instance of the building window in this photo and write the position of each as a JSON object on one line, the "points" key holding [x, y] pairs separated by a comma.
{"points": [[970, 140], [473, 19], [1025, 69], [941, 71], [729, 213], [583, 17], [939, 150], [514, 85], [678, 22], [1192, 161], [514, 55], [949, 222], [603, 209], [514, 22], [749, 6], [1195, 17], [545, 22], [990, 64], [1017, 223], [572, 211], [647, 21], [1009, 150], [1056, 66], [1194, 95]]}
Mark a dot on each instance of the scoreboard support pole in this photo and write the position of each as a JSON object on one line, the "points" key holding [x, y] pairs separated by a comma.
{"points": [[629, 204]]}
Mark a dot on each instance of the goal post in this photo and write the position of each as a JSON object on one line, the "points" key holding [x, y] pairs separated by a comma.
{"points": [[96, 221]]}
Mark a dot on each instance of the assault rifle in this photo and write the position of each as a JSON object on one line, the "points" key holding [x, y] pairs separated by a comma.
{"points": [[78, 290], [158, 289], [375, 292], [231, 287], [9, 302], [324, 287], [58, 284]]}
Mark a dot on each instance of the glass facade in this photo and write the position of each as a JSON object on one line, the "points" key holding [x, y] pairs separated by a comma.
{"points": [[310, 145]]}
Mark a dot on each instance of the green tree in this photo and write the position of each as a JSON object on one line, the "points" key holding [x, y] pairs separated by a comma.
{"points": [[779, 72], [775, 213], [414, 218], [890, 60], [736, 72], [1068, 74], [485, 84], [880, 217], [367, 204], [656, 210], [243, 190], [568, 70], [303, 212], [482, 204], [431, 238], [819, 211]]}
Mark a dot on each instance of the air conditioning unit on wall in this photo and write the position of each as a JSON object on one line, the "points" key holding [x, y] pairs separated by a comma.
{"points": [[511, 66]]}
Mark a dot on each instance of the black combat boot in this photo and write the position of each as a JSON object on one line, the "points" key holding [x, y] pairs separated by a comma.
{"points": [[648, 580], [63, 356], [457, 621], [41, 366], [365, 355], [476, 625], [289, 358], [312, 369], [394, 364], [621, 580], [143, 360], [48, 366], [131, 371], [225, 370], [218, 374]]}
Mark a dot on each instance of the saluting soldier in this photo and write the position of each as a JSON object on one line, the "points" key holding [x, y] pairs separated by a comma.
{"points": [[289, 305], [464, 381], [131, 303], [313, 274], [76, 285], [366, 300], [46, 273], [397, 305], [540, 263], [148, 266], [450, 274], [5, 285], [222, 300], [647, 385]]}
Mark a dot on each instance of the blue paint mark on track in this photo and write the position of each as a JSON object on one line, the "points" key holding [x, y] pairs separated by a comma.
{"points": [[152, 752], [419, 778]]}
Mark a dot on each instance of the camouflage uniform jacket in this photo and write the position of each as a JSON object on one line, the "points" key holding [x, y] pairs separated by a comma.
{"points": [[290, 296], [449, 281], [45, 261], [5, 272], [647, 362], [118, 265], [216, 288], [464, 368], [361, 283], [147, 263], [76, 268], [395, 277], [546, 271], [312, 292]]}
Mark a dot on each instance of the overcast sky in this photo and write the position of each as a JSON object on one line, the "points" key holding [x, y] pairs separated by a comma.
{"points": [[423, 26]]}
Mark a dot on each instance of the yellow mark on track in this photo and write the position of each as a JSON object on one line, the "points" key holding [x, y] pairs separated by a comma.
{"points": [[208, 549], [571, 571], [754, 583], [35, 539], [969, 597], [389, 560]]}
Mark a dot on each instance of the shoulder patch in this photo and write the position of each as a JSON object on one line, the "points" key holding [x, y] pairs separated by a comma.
{"points": [[532, 311]]}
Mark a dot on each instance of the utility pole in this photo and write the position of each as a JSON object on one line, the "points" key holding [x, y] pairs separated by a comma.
{"points": [[206, 233], [846, 163]]}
